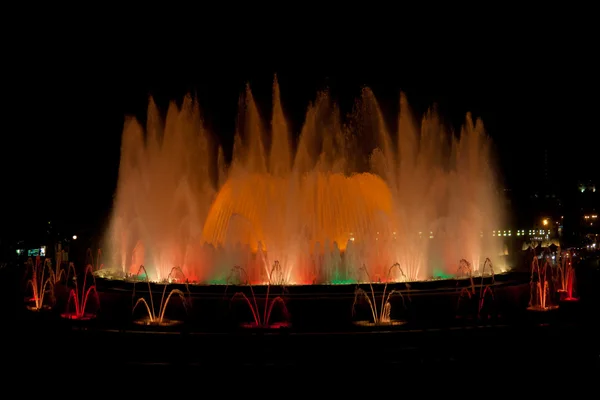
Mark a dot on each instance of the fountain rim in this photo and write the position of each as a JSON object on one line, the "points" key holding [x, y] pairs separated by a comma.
{"points": [[414, 288]]}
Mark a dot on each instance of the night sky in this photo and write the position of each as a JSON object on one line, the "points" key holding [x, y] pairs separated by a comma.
{"points": [[61, 160]]}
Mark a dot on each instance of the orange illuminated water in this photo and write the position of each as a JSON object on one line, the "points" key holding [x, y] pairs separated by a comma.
{"points": [[349, 192]]}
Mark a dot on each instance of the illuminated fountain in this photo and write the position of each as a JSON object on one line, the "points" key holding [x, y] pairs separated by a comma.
{"points": [[541, 278], [94, 262], [57, 272], [261, 320], [381, 315], [469, 294], [566, 276], [42, 285], [350, 191], [157, 316], [79, 299]]}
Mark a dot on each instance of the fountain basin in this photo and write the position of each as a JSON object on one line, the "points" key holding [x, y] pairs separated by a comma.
{"points": [[275, 325], [541, 309], [78, 317], [153, 322], [371, 324], [112, 284], [36, 309], [569, 300], [311, 307], [564, 296], [482, 317]]}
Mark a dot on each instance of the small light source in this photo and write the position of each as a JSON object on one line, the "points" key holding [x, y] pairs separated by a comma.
{"points": [[74, 237], [545, 222]]}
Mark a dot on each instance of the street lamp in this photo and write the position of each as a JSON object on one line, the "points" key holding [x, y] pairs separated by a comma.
{"points": [[545, 222]]}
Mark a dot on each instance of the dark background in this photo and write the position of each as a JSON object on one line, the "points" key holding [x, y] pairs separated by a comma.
{"points": [[528, 76]]}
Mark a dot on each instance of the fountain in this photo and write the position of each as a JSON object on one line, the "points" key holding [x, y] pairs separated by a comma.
{"points": [[80, 299], [261, 321], [381, 315], [57, 272], [157, 318], [566, 276], [351, 191], [99, 269], [539, 285], [468, 294], [94, 263], [41, 285]]}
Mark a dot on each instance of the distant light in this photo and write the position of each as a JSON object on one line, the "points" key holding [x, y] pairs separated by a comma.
{"points": [[74, 237], [545, 222]]}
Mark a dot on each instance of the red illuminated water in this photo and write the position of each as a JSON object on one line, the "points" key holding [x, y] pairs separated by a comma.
{"points": [[540, 285], [79, 296], [275, 325], [261, 319], [566, 273], [484, 296], [74, 315]]}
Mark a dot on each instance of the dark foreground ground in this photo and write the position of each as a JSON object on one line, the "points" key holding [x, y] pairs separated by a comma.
{"points": [[526, 358], [496, 346], [552, 345]]}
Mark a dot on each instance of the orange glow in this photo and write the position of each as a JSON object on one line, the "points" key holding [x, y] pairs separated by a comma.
{"points": [[349, 192], [334, 207]]}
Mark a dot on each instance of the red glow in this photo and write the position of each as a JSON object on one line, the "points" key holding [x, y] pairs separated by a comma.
{"points": [[571, 299], [190, 279], [80, 317], [566, 273], [80, 299], [275, 325]]}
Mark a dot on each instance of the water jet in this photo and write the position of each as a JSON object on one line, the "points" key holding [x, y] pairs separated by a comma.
{"points": [[350, 191]]}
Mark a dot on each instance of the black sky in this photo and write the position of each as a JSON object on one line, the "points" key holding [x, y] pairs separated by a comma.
{"points": [[60, 154]]}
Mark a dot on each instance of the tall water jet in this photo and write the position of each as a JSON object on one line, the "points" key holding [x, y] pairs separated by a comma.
{"points": [[164, 191], [350, 193]]}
